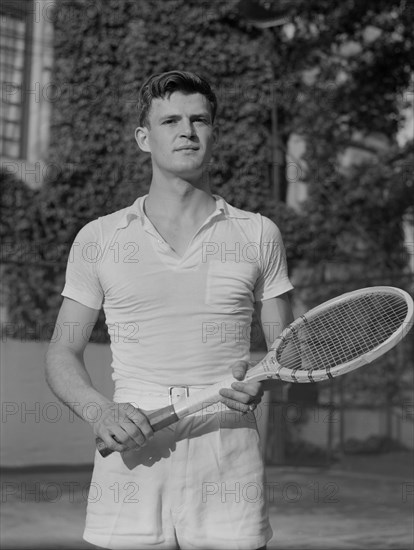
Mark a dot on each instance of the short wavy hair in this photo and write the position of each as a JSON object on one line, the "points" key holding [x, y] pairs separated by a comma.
{"points": [[164, 84]]}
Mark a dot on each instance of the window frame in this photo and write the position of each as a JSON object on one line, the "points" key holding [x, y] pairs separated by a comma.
{"points": [[24, 11]]}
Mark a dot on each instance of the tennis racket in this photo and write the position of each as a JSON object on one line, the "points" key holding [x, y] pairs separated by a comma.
{"points": [[332, 339]]}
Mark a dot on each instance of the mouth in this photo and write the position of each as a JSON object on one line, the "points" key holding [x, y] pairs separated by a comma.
{"points": [[187, 148]]}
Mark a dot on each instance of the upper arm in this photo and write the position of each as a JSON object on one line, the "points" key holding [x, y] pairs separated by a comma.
{"points": [[82, 282], [272, 279], [274, 315], [272, 303], [74, 326], [82, 293]]}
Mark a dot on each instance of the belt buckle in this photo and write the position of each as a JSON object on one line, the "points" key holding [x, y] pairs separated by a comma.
{"points": [[172, 388]]}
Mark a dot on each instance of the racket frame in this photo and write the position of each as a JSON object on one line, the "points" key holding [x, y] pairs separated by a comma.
{"points": [[304, 376]]}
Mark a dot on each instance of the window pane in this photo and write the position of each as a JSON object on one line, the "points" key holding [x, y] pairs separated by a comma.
{"points": [[13, 78]]}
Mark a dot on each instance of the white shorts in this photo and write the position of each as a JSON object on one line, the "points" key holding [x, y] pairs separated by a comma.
{"points": [[198, 484]]}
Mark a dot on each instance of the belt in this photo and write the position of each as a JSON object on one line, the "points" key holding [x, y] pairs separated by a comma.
{"points": [[175, 393]]}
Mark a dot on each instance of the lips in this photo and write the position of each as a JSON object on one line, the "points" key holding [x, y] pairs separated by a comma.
{"points": [[187, 148]]}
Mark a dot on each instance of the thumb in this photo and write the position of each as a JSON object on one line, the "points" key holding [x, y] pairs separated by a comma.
{"points": [[239, 369]]}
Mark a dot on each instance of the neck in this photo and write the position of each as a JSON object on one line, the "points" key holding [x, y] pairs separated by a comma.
{"points": [[179, 199]]}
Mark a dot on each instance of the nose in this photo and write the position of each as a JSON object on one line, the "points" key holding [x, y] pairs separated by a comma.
{"points": [[186, 128]]}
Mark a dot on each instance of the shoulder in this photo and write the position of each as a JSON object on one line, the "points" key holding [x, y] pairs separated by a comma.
{"points": [[103, 227], [114, 220], [270, 230], [255, 222], [238, 213]]}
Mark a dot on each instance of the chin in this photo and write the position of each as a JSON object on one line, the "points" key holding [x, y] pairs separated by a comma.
{"points": [[189, 170]]}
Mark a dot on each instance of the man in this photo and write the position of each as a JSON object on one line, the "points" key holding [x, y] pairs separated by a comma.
{"points": [[178, 274]]}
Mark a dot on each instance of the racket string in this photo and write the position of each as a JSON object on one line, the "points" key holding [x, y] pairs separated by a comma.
{"points": [[343, 332], [363, 332]]}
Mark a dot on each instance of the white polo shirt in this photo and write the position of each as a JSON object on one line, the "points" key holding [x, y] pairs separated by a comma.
{"points": [[176, 320]]}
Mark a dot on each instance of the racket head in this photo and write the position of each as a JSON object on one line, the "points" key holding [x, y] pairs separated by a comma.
{"points": [[343, 334]]}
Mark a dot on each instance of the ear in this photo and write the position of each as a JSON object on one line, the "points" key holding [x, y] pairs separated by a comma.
{"points": [[141, 137]]}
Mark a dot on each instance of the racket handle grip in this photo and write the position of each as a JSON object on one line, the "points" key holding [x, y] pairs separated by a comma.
{"points": [[158, 419], [162, 418], [102, 448]]}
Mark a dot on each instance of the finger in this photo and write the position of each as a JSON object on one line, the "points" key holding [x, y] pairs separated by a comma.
{"points": [[113, 442], [129, 426], [139, 419], [132, 436], [239, 369], [254, 389], [240, 407], [235, 405], [233, 395], [246, 394]]}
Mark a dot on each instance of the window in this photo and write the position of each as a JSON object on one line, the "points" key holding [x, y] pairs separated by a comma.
{"points": [[16, 29]]}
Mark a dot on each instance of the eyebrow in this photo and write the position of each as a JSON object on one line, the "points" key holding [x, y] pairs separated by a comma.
{"points": [[204, 114]]}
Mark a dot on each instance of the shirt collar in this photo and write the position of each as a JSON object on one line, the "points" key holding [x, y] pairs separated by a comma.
{"points": [[228, 210], [136, 210]]}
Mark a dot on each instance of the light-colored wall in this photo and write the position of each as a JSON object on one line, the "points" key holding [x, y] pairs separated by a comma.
{"points": [[358, 424], [36, 429]]}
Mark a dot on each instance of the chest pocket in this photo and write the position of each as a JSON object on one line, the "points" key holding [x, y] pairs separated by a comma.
{"points": [[230, 285]]}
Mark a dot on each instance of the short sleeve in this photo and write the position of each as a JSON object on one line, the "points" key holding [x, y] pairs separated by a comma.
{"points": [[82, 281], [273, 278]]}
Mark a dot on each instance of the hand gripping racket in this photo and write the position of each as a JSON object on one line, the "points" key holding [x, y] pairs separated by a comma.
{"points": [[332, 339]]}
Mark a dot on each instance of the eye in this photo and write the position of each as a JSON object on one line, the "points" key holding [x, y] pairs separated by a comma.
{"points": [[169, 121]]}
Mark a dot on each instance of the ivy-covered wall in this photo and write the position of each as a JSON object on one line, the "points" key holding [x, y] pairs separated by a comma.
{"points": [[104, 50]]}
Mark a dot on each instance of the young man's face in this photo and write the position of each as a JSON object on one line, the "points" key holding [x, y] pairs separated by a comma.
{"points": [[180, 135]]}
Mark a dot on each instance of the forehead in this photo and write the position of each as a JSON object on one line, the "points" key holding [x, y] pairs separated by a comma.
{"points": [[179, 103]]}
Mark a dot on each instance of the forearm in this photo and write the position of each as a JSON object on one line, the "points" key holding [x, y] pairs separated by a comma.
{"points": [[69, 380]]}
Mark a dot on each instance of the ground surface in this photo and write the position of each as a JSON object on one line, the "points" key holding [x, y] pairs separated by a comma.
{"points": [[363, 502]]}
